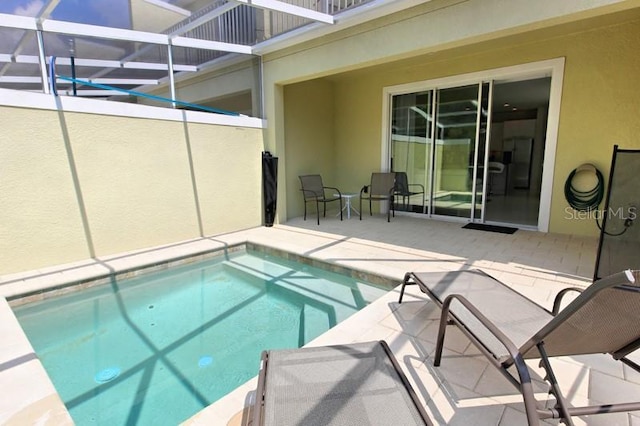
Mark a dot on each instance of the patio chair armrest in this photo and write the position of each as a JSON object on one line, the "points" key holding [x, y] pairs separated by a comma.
{"points": [[486, 323], [364, 190], [558, 299], [417, 184], [309, 193], [335, 189], [515, 359]]}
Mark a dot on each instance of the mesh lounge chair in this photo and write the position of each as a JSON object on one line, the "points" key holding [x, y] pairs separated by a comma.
{"points": [[404, 189], [381, 189], [509, 328], [313, 190], [355, 384]]}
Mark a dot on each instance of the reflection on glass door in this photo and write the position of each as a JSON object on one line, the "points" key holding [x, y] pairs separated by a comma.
{"points": [[482, 151], [439, 158], [411, 144], [455, 175]]}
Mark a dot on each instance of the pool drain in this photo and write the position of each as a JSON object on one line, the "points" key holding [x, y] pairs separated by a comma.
{"points": [[107, 375], [205, 361]]}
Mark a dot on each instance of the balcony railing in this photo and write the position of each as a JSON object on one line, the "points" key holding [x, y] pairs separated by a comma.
{"points": [[248, 25]]}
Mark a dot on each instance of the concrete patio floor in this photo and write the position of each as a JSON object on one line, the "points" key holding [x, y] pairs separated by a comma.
{"points": [[464, 390]]}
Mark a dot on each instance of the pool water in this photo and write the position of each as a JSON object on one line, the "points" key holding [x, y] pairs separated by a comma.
{"points": [[158, 348]]}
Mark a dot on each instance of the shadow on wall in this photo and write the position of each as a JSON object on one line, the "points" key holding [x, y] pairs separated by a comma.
{"points": [[83, 185]]}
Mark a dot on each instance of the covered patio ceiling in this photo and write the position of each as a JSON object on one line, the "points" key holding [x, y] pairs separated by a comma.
{"points": [[137, 44]]}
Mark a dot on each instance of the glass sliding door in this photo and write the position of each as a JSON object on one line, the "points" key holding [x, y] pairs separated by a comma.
{"points": [[457, 178], [438, 141], [482, 177], [411, 148], [477, 144]]}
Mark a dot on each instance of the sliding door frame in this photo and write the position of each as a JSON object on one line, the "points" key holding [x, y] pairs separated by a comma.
{"points": [[553, 68]]}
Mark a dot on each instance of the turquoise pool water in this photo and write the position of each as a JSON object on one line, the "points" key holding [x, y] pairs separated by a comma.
{"points": [[156, 349]]}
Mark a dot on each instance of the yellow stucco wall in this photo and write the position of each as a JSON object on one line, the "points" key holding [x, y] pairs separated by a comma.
{"points": [[600, 101], [148, 17], [309, 122], [241, 77], [84, 185]]}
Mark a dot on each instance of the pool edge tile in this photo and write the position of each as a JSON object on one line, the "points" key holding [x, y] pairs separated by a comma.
{"points": [[33, 398]]}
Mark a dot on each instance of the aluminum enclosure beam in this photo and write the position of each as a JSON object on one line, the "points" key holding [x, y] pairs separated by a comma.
{"points": [[290, 9], [99, 63], [44, 12], [38, 80], [109, 33]]}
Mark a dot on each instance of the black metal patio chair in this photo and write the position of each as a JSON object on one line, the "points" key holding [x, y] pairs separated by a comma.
{"points": [[407, 190], [509, 328], [313, 190], [382, 188]]}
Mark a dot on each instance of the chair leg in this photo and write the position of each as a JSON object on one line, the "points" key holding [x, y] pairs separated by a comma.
{"points": [[324, 212], [370, 209], [340, 208], [305, 210], [561, 403], [405, 283], [526, 388], [444, 316], [318, 211], [360, 206]]}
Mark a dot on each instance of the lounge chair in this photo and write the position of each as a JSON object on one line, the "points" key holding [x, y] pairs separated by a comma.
{"points": [[382, 188], [355, 384], [407, 190], [313, 190], [509, 328]]}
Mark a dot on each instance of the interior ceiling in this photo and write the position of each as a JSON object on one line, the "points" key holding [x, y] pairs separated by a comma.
{"points": [[521, 95]]}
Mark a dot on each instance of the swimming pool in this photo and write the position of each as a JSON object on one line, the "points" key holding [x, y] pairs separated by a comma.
{"points": [[158, 348]]}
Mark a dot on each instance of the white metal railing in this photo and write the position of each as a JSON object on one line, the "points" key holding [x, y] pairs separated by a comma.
{"points": [[280, 23], [247, 25]]}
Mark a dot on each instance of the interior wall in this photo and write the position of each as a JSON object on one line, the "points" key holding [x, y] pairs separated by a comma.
{"points": [[599, 105], [513, 131], [310, 145], [87, 185], [537, 161]]}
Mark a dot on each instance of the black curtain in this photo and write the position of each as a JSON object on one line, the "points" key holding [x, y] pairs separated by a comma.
{"points": [[269, 186]]}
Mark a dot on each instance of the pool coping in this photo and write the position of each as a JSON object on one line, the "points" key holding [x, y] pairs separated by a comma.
{"points": [[39, 402], [77, 277]]}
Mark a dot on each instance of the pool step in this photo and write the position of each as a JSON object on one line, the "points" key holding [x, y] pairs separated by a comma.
{"points": [[276, 279]]}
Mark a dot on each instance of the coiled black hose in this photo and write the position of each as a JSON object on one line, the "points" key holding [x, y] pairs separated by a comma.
{"points": [[584, 201]]}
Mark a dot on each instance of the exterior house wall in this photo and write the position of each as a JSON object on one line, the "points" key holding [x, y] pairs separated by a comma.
{"points": [[310, 124], [87, 185], [149, 17], [240, 79], [599, 101]]}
